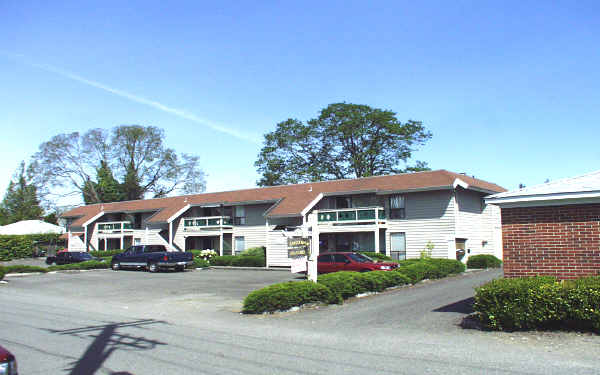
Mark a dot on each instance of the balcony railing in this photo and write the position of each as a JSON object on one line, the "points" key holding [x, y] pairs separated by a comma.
{"points": [[115, 227], [351, 215], [206, 222]]}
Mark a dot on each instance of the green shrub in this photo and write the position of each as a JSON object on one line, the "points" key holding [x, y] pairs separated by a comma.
{"points": [[255, 252], [524, 303], [248, 261], [447, 266], [22, 246], [483, 261], [87, 265], [2, 272], [343, 283], [284, 296], [429, 268], [373, 281], [106, 253], [20, 268], [200, 263], [377, 256], [224, 260]]}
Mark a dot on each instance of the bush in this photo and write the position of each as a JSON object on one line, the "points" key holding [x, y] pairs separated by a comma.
{"points": [[539, 303], [87, 265], [429, 268], [2, 272], [224, 260], [200, 263], [483, 261], [255, 252], [377, 256], [248, 261], [22, 246], [284, 296], [20, 268], [343, 283], [106, 253]]}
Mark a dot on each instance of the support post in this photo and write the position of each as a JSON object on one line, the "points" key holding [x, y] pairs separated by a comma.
{"points": [[377, 249], [170, 236], [85, 246], [221, 244], [314, 253]]}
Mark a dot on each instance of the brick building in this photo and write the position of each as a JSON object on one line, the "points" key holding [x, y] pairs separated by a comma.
{"points": [[552, 229]]}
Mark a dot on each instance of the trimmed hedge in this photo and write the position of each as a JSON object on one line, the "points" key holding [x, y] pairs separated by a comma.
{"points": [[87, 265], [377, 256], [483, 261], [248, 261], [200, 263], [2, 272], [284, 296], [429, 268], [106, 253], [238, 261], [224, 260], [346, 284], [22, 246], [259, 251], [20, 268], [539, 303]]}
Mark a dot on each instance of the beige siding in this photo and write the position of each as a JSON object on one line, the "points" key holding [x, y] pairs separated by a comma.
{"points": [[76, 244], [277, 252], [429, 217], [254, 236], [477, 222]]}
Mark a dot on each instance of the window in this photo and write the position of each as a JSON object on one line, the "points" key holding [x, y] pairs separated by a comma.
{"points": [[325, 258], [397, 209], [339, 258], [398, 251], [240, 244], [240, 215], [343, 202]]}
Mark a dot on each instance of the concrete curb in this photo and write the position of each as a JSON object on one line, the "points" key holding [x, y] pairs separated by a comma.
{"points": [[52, 272], [249, 268]]}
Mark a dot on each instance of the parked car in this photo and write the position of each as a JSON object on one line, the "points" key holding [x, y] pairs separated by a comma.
{"points": [[152, 258], [68, 257], [8, 363], [348, 261]]}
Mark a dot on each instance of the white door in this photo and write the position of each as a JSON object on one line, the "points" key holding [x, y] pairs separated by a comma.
{"points": [[398, 251]]}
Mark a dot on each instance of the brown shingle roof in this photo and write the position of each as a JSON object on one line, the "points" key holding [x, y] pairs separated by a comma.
{"points": [[292, 199]]}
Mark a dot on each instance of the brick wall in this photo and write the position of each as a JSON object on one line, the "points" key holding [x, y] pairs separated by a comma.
{"points": [[562, 241]]}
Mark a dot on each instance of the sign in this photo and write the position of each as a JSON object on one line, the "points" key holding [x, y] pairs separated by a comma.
{"points": [[298, 247], [298, 264]]}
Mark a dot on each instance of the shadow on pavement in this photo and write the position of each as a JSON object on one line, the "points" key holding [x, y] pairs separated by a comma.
{"points": [[463, 307], [106, 341]]}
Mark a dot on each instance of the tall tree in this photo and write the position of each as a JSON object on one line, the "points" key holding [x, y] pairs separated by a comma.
{"points": [[20, 200], [345, 141], [127, 162]]}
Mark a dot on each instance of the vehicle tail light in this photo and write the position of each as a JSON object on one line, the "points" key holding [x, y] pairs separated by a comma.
{"points": [[166, 258]]}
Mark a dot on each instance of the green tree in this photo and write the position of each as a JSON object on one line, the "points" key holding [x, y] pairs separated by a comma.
{"points": [[20, 200], [126, 162], [345, 141]]}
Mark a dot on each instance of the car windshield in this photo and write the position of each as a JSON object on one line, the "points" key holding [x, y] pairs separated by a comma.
{"points": [[360, 258], [85, 256]]}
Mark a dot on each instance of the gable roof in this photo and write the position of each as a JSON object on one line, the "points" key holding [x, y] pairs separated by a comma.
{"points": [[586, 186], [287, 200]]}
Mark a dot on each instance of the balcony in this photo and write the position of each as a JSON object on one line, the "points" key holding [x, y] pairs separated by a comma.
{"points": [[192, 224], [351, 216], [114, 227]]}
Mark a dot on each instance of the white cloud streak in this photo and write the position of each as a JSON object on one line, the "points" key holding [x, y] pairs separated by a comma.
{"points": [[135, 98]]}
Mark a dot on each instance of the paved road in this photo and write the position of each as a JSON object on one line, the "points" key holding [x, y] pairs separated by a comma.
{"points": [[104, 322]]}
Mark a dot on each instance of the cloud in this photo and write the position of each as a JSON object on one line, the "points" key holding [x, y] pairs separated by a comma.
{"points": [[135, 98]]}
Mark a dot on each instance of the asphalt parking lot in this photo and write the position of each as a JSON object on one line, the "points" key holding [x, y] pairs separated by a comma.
{"points": [[202, 291], [134, 322]]}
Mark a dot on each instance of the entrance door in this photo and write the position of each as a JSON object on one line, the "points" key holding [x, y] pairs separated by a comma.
{"points": [[398, 251]]}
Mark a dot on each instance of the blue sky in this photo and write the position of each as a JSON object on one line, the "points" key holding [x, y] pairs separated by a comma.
{"points": [[510, 90]]}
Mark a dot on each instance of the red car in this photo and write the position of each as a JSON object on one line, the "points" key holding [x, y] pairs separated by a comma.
{"points": [[8, 363], [346, 261]]}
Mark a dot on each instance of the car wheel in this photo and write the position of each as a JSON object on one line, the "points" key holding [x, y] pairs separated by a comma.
{"points": [[152, 267], [365, 270], [179, 268], [115, 266]]}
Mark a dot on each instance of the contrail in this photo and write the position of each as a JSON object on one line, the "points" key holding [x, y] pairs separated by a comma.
{"points": [[134, 98]]}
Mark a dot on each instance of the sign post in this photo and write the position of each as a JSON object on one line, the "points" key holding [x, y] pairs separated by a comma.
{"points": [[314, 253]]}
